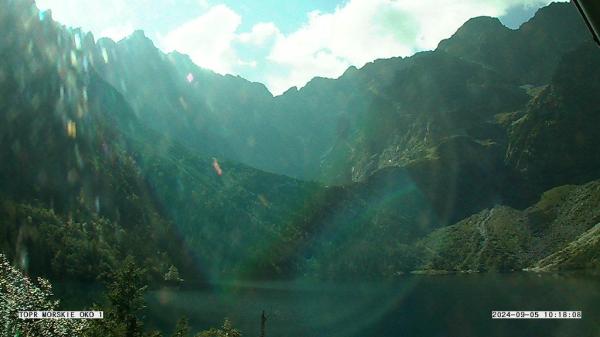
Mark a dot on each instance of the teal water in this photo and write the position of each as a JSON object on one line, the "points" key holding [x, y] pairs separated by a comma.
{"points": [[448, 305]]}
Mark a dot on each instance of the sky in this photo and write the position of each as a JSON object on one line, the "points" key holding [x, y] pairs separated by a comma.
{"points": [[286, 43]]}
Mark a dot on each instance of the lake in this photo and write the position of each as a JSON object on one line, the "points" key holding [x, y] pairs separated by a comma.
{"points": [[441, 305]]}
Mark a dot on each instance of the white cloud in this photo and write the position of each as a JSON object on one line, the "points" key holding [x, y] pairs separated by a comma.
{"points": [[260, 34], [207, 39], [251, 64], [322, 63], [203, 3], [364, 30]]}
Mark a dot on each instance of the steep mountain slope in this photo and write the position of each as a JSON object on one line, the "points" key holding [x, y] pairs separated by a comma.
{"points": [[396, 110], [554, 141], [421, 101], [60, 153], [551, 142], [222, 116], [558, 231]]}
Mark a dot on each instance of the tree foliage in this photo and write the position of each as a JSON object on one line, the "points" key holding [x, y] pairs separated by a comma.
{"points": [[182, 329], [227, 330], [19, 293], [125, 293]]}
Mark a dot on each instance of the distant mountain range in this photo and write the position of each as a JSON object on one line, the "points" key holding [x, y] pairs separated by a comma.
{"points": [[436, 161]]}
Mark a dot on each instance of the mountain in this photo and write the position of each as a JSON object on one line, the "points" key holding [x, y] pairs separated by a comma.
{"points": [[529, 54], [403, 108], [73, 201], [557, 232], [221, 116], [83, 178], [563, 114], [344, 130], [492, 117]]}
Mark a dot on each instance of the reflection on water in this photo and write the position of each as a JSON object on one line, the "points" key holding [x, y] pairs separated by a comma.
{"points": [[451, 305]]}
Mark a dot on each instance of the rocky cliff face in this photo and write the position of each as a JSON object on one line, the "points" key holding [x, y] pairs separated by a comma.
{"points": [[553, 142]]}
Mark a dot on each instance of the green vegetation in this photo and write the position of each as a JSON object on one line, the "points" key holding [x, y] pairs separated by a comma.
{"points": [[558, 232], [122, 317], [227, 330], [125, 293], [57, 248], [182, 328], [20, 293], [583, 253]]}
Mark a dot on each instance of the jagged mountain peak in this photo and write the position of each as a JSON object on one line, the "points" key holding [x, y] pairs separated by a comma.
{"points": [[139, 40], [481, 24], [554, 12]]}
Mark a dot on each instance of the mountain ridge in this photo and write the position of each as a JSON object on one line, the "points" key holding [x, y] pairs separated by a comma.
{"points": [[230, 132]]}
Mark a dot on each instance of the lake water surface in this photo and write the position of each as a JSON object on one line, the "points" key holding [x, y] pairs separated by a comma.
{"points": [[444, 305]]}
